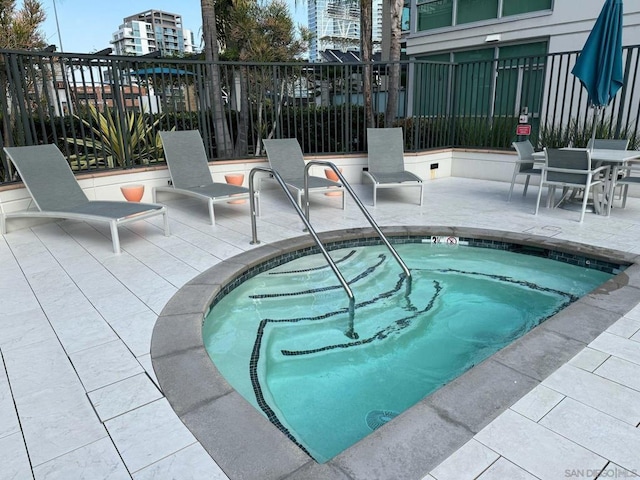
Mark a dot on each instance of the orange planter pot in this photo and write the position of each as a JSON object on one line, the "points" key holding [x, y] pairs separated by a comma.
{"points": [[235, 179], [331, 175], [133, 193]]}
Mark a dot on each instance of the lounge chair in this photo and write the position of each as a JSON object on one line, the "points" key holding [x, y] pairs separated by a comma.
{"points": [[190, 174], [285, 157], [57, 194], [386, 161], [524, 165]]}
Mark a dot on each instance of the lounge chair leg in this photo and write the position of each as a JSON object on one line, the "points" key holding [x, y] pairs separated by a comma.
{"points": [[211, 214], [165, 217], [115, 238]]}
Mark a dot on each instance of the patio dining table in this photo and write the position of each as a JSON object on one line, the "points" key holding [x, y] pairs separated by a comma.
{"points": [[617, 159]]}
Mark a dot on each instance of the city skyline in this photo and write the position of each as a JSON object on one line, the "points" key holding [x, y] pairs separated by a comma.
{"points": [[83, 30]]}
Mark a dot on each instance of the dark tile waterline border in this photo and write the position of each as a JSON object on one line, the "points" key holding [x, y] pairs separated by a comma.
{"points": [[246, 446]]}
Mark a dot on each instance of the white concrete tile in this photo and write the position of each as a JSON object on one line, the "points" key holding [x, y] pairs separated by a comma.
{"points": [[135, 330], [588, 359], [17, 298], [634, 313], [25, 328], [467, 462], [105, 364], [98, 460], [534, 448], [145, 361], [537, 403], [201, 466], [95, 330], [13, 458], [124, 396], [38, 366], [597, 392], [621, 371], [597, 431], [56, 421], [8, 417], [616, 471], [148, 434], [617, 346], [505, 470], [625, 327]]}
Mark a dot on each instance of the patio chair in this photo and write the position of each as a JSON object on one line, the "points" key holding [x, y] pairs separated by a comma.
{"points": [[614, 144], [285, 157], [524, 166], [386, 161], [190, 174], [57, 194], [627, 175], [572, 170], [608, 144]]}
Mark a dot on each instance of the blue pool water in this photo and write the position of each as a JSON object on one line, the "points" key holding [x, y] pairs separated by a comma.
{"points": [[279, 338]]}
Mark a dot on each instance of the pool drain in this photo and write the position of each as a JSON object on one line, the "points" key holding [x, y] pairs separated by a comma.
{"points": [[376, 418]]}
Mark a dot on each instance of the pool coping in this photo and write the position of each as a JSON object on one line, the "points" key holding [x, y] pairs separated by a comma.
{"points": [[246, 445]]}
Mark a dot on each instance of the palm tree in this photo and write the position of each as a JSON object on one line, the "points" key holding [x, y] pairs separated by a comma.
{"points": [[366, 47], [19, 29], [395, 10], [224, 146]]}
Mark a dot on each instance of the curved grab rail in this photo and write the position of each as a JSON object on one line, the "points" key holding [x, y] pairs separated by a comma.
{"points": [[366, 213], [254, 237]]}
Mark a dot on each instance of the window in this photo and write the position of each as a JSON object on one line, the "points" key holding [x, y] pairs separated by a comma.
{"points": [[440, 13], [475, 10], [435, 14], [514, 7]]}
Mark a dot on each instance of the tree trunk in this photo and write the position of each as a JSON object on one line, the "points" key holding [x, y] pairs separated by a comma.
{"points": [[242, 138], [366, 44], [395, 11], [224, 146]]}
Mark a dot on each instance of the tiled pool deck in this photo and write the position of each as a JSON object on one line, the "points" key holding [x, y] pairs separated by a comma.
{"points": [[79, 398]]}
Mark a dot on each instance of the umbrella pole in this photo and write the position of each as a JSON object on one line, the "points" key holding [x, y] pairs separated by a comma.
{"points": [[596, 114]]}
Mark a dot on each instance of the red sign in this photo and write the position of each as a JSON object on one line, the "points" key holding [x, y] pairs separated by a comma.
{"points": [[523, 129]]}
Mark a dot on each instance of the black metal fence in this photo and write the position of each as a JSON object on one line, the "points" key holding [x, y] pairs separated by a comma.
{"points": [[104, 112]]}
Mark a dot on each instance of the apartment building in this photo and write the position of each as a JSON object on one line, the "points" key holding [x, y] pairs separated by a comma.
{"points": [[461, 30], [336, 26], [505, 50], [152, 31]]}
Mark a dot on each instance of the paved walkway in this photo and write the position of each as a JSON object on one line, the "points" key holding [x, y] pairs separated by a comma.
{"points": [[78, 395]]}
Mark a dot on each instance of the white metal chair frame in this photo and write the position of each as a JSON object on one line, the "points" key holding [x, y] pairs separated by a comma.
{"points": [[571, 169], [524, 166]]}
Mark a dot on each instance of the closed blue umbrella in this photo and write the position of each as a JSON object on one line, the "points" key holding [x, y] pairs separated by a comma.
{"points": [[599, 66]]}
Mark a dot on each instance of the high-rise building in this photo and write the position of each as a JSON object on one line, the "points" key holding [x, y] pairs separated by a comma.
{"points": [[151, 31], [336, 26]]}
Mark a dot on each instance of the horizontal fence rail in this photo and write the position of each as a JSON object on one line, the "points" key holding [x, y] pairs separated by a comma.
{"points": [[105, 112]]}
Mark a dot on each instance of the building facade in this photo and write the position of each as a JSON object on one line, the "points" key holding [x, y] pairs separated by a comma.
{"points": [[336, 26], [511, 57], [458, 28], [153, 31]]}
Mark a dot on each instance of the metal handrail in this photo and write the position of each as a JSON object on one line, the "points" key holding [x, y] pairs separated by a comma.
{"points": [[366, 213], [254, 240]]}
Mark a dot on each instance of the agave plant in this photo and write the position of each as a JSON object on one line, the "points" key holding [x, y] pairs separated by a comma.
{"points": [[117, 141]]}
